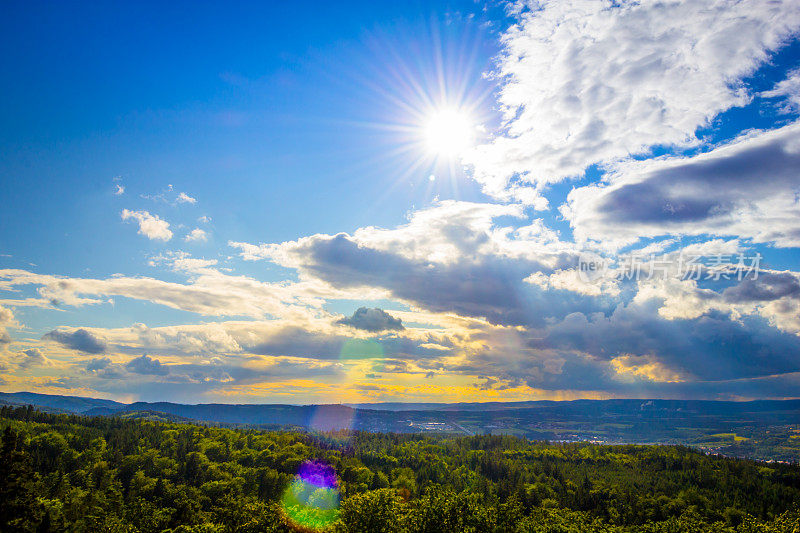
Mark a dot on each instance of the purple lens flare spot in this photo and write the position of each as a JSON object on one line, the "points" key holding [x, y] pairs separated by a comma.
{"points": [[318, 474]]}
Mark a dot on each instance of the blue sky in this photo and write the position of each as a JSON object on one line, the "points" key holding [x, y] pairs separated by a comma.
{"points": [[287, 131], [253, 202]]}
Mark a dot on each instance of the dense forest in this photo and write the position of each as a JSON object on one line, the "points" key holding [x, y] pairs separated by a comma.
{"points": [[67, 473]]}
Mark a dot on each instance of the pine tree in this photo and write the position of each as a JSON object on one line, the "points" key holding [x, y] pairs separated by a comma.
{"points": [[18, 509]]}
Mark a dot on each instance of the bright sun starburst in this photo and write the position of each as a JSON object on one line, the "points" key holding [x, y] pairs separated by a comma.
{"points": [[448, 133]]}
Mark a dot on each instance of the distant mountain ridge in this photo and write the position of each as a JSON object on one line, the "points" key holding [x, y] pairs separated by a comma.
{"points": [[72, 404], [323, 417], [335, 416]]}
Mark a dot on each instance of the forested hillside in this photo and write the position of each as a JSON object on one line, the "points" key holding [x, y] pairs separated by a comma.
{"points": [[72, 473]]}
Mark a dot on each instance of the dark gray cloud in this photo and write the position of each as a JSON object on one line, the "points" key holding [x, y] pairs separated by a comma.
{"points": [[702, 189], [590, 374], [104, 368], [80, 340], [766, 287], [747, 189], [712, 347], [98, 364], [146, 365], [372, 319], [392, 366], [484, 286], [486, 385], [470, 289], [141, 370], [185, 381]]}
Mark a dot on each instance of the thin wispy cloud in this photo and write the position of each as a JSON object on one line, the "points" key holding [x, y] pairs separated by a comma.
{"points": [[184, 198], [119, 189]]}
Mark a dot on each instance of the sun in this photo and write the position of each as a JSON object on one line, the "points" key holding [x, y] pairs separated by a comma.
{"points": [[448, 132]]}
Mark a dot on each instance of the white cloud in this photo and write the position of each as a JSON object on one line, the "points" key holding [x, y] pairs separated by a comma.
{"points": [[450, 232], [208, 292], [713, 247], [6, 320], [184, 262], [184, 198], [7, 317], [788, 90], [196, 235], [151, 226], [595, 81], [569, 280]]}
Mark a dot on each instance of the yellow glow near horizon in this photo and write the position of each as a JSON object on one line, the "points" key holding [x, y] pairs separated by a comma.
{"points": [[449, 133]]}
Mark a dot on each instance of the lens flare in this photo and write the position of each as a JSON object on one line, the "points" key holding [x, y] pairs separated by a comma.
{"points": [[358, 349], [311, 502], [366, 355]]}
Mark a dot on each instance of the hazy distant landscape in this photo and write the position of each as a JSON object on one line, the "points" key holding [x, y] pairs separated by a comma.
{"points": [[764, 430]]}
